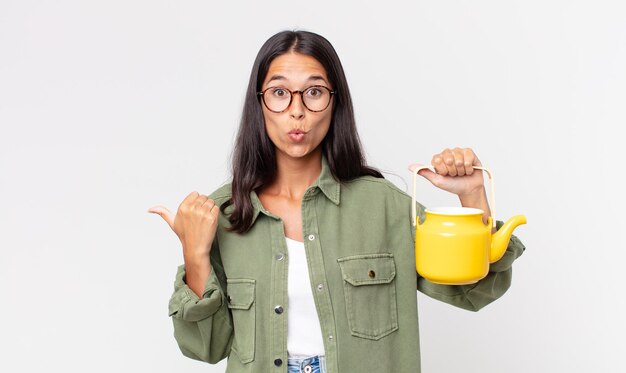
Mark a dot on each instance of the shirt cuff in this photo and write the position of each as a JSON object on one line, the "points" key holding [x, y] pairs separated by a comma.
{"points": [[186, 305]]}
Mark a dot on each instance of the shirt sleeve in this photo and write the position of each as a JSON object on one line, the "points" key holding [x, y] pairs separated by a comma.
{"points": [[202, 326], [476, 296]]}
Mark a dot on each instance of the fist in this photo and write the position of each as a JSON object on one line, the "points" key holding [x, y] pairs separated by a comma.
{"points": [[454, 171], [195, 223]]}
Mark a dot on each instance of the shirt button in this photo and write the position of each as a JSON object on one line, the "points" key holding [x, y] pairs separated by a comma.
{"points": [[278, 309], [278, 362], [311, 237], [320, 287], [330, 337], [280, 256]]}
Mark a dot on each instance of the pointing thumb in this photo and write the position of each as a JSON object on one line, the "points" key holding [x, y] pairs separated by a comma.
{"points": [[164, 213]]}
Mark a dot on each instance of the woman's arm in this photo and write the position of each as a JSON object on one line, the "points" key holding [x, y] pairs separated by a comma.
{"points": [[202, 324]]}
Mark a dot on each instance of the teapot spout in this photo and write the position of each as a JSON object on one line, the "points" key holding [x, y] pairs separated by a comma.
{"points": [[500, 239]]}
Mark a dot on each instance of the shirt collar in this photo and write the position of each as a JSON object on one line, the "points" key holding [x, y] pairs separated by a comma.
{"points": [[325, 182]]}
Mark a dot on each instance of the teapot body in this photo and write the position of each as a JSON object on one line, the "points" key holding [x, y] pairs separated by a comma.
{"points": [[452, 246]]}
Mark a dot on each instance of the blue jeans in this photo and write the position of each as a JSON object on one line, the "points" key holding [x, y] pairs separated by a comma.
{"points": [[306, 364]]}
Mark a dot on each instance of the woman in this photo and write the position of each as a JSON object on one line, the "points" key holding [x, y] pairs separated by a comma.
{"points": [[306, 262]]}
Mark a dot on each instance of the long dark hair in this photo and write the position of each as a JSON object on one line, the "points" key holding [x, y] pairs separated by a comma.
{"points": [[254, 157]]}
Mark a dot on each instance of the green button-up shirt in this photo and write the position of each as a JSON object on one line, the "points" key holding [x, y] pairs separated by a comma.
{"points": [[359, 244]]}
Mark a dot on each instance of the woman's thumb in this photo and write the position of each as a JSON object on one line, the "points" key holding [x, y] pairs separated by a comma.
{"points": [[427, 173], [165, 214]]}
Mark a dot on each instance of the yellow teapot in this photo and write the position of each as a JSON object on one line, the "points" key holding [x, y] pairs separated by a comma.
{"points": [[453, 246]]}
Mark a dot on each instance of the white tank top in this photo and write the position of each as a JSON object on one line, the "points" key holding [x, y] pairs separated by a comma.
{"points": [[304, 332]]}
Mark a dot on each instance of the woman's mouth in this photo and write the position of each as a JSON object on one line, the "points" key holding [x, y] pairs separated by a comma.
{"points": [[296, 135]]}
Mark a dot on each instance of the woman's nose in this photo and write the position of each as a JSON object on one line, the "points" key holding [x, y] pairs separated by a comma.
{"points": [[297, 109]]}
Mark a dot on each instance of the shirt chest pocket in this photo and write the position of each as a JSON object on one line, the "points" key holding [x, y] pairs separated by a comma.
{"points": [[370, 293], [242, 306]]}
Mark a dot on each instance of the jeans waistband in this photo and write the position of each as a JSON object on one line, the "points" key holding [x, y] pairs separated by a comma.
{"points": [[306, 364]]}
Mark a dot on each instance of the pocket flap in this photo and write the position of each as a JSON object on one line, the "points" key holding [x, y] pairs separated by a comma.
{"points": [[369, 269], [240, 293]]}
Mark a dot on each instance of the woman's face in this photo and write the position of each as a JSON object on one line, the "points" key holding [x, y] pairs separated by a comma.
{"points": [[296, 132]]}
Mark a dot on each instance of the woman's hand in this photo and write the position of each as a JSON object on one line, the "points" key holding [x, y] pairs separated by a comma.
{"points": [[455, 174], [195, 225]]}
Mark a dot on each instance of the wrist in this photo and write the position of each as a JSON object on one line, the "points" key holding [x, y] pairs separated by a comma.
{"points": [[196, 262], [476, 198]]}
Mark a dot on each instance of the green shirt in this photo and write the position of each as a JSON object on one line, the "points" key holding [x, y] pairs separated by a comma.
{"points": [[369, 320]]}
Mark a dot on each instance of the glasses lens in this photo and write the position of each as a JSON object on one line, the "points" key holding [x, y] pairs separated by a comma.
{"points": [[277, 99], [316, 98]]}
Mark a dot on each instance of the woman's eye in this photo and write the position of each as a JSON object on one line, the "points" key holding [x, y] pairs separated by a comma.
{"points": [[314, 92], [279, 92]]}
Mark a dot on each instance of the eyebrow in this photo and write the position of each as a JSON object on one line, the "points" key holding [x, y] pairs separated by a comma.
{"points": [[312, 77]]}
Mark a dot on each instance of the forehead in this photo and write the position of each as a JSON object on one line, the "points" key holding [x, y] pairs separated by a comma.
{"points": [[296, 68]]}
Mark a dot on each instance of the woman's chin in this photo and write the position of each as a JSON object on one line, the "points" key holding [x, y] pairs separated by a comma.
{"points": [[297, 151]]}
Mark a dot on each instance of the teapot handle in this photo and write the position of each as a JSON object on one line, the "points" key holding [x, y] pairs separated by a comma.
{"points": [[492, 195]]}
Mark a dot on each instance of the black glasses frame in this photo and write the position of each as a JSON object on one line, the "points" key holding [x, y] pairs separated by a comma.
{"points": [[291, 94]]}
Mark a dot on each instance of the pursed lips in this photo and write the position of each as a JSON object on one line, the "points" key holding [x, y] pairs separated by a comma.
{"points": [[296, 135]]}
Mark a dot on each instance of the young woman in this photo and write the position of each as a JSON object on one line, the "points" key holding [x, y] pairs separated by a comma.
{"points": [[306, 261]]}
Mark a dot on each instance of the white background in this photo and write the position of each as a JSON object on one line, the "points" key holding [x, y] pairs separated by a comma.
{"points": [[110, 107]]}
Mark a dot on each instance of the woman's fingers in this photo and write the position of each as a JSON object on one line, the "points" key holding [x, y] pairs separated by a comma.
{"points": [[199, 205], [439, 165], [448, 161], [208, 204], [193, 201], [451, 163], [445, 163], [458, 161], [196, 202], [187, 204], [199, 201], [455, 162], [468, 161], [212, 209], [190, 198]]}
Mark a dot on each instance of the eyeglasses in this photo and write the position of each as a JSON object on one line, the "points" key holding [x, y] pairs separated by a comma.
{"points": [[278, 99]]}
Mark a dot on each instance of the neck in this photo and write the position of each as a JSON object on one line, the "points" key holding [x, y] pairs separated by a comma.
{"points": [[295, 175]]}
